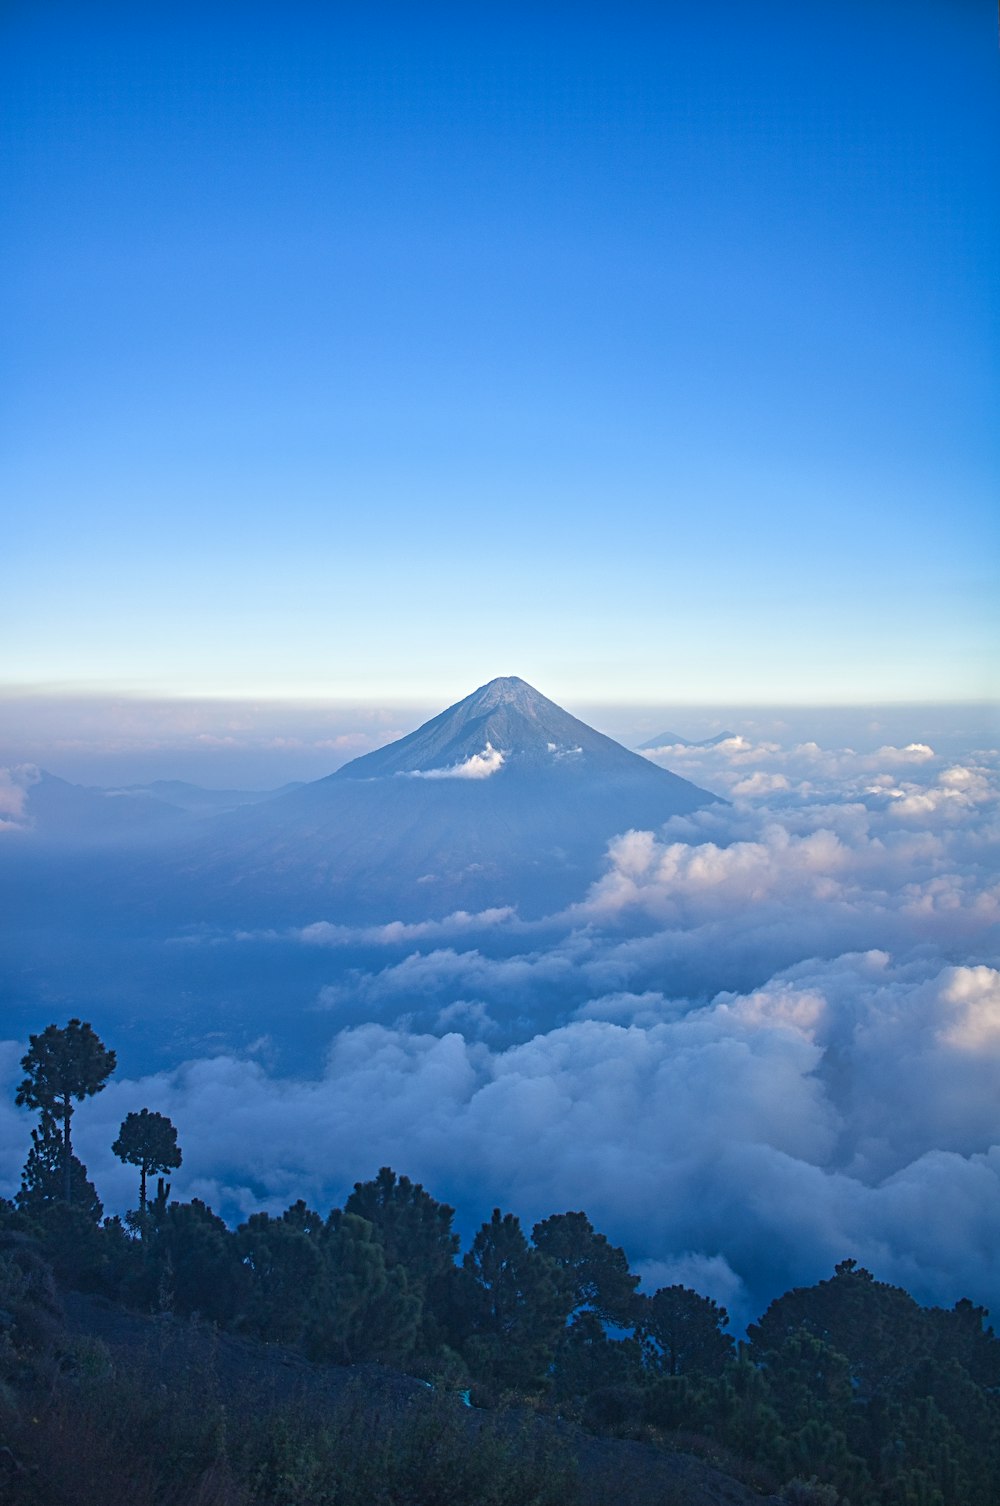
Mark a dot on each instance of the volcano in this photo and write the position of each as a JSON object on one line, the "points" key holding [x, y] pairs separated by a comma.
{"points": [[502, 799]]}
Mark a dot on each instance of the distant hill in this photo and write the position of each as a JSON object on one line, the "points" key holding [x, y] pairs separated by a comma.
{"points": [[197, 798], [79, 815], [674, 740]]}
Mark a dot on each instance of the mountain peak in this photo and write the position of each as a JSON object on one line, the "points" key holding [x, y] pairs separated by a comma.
{"points": [[504, 724], [505, 731], [503, 688], [508, 690]]}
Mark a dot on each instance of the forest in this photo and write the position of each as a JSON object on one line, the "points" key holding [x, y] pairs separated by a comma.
{"points": [[844, 1393]]}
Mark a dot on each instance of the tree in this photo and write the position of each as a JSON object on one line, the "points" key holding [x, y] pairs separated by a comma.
{"points": [[414, 1229], [286, 1267], [147, 1140], [43, 1177], [415, 1233], [195, 1264], [62, 1065], [597, 1270], [682, 1332], [365, 1311], [880, 1329], [518, 1303]]}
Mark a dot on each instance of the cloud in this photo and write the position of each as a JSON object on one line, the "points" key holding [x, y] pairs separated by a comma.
{"points": [[395, 932], [742, 1146], [766, 1037], [15, 784], [974, 993], [476, 766]]}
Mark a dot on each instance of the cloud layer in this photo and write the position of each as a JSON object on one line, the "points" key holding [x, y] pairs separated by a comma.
{"points": [[767, 1037]]}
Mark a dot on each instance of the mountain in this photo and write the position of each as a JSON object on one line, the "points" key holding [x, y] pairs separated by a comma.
{"points": [[68, 815], [502, 799], [672, 740], [508, 717], [198, 799], [78, 815]]}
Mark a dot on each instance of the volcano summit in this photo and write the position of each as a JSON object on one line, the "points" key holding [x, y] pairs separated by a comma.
{"points": [[502, 799]]}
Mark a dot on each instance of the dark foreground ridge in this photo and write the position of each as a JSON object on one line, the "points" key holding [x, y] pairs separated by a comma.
{"points": [[352, 1360], [415, 1431]]}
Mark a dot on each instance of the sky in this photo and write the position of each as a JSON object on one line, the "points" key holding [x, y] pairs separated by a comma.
{"points": [[649, 352]]}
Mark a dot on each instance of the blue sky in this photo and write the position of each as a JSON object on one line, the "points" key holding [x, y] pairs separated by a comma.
{"points": [[648, 352]]}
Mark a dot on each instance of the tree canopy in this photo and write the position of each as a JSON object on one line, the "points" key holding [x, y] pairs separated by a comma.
{"points": [[147, 1140]]}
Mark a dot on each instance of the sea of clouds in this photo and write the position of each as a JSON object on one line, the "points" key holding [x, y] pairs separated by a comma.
{"points": [[775, 1042]]}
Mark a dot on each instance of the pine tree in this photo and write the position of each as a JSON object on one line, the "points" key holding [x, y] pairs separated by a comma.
{"points": [[63, 1064], [147, 1140]]}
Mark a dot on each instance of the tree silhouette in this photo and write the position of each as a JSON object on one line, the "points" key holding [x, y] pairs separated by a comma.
{"points": [[518, 1301], [63, 1064], [682, 1332], [43, 1180], [147, 1140], [415, 1233], [596, 1269]]}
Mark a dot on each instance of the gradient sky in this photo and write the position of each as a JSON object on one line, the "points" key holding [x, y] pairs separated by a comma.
{"points": [[647, 351]]}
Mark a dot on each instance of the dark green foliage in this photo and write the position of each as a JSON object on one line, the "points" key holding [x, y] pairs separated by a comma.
{"points": [[587, 1360], [597, 1271], [194, 1264], [883, 1398], [963, 1335], [415, 1233], [147, 1140], [287, 1280], [326, 1287], [420, 1454], [516, 1304], [43, 1180], [29, 1310], [413, 1229], [878, 1328], [682, 1333], [76, 1247], [370, 1312], [60, 1065]]}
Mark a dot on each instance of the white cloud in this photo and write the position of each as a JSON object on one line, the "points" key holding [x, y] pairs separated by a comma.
{"points": [[15, 784], [476, 766], [396, 932], [974, 994]]}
